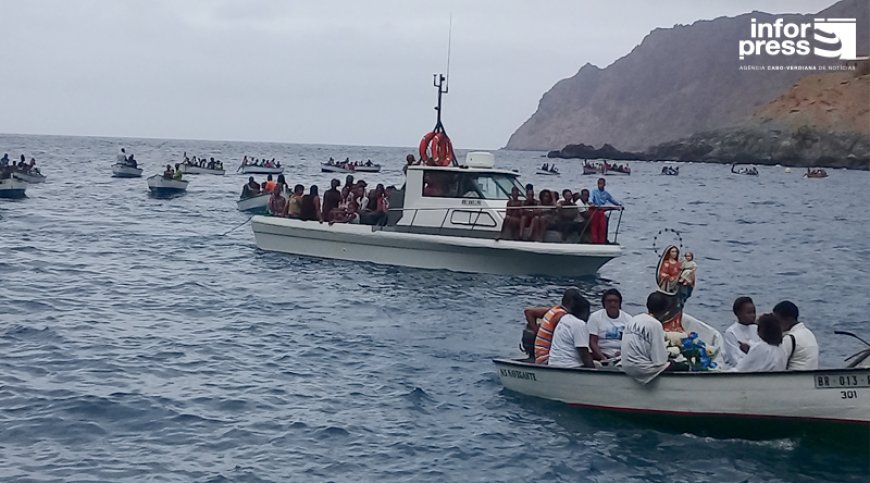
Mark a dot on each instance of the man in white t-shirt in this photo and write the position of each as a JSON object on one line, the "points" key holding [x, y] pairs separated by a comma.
{"points": [[570, 346], [766, 355], [606, 326], [122, 157], [741, 335], [800, 345], [644, 351]]}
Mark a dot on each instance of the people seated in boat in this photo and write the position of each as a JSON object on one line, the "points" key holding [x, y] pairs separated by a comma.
{"points": [[581, 199], [348, 186], [4, 161], [168, 173], [545, 215], [644, 350], [309, 207], [331, 200], [544, 167], [331, 161], [513, 217], [277, 205], [570, 341], [294, 204], [799, 343], [377, 209], [538, 337], [251, 188], [186, 159], [281, 185], [566, 215], [601, 202], [768, 353], [269, 185], [606, 326], [528, 214], [741, 335], [177, 175]]}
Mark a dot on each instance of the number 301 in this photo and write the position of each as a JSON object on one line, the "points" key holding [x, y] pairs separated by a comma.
{"points": [[848, 394]]}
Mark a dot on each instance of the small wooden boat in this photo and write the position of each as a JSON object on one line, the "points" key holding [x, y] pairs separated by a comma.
{"points": [[162, 187], [11, 188], [362, 168], [546, 172], [620, 169], [29, 176], [251, 169], [349, 168], [254, 204], [671, 170], [593, 168], [125, 171], [191, 169], [816, 173]]}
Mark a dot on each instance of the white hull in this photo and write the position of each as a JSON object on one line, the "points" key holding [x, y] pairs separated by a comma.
{"points": [[261, 170], [12, 188], [461, 254], [254, 203], [546, 173], [122, 171], [825, 395], [29, 177], [161, 186], [189, 169], [368, 169]]}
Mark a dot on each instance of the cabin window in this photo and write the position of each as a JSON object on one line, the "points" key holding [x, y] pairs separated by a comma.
{"points": [[473, 218], [489, 186]]}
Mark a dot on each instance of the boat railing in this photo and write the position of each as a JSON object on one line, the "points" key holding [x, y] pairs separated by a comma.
{"points": [[490, 224]]}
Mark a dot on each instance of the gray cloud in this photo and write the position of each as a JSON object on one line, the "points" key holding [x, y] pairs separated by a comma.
{"points": [[335, 71]]}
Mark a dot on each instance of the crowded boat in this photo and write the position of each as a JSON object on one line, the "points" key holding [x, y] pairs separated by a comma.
{"points": [[744, 170], [605, 168], [348, 166], [23, 170], [201, 165], [253, 165]]}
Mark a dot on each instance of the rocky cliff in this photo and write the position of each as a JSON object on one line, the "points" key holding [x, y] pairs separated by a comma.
{"points": [[823, 120], [678, 81]]}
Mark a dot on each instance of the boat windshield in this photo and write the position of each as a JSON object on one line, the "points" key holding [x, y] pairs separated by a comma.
{"points": [[489, 186]]}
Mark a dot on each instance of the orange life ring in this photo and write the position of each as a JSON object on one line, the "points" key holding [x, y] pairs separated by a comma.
{"points": [[424, 144]]}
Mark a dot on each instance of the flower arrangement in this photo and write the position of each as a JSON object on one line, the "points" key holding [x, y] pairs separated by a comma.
{"points": [[691, 349]]}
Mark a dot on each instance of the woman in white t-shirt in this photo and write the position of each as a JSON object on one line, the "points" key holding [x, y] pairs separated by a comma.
{"points": [[767, 354], [606, 326]]}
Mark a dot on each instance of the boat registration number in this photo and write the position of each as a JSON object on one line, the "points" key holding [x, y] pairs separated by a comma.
{"points": [[836, 381]]}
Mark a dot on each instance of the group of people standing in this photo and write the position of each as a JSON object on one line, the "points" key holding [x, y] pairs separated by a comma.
{"points": [[582, 213], [567, 335], [351, 203]]}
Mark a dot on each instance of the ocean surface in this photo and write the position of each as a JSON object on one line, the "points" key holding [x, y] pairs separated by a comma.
{"points": [[139, 344]]}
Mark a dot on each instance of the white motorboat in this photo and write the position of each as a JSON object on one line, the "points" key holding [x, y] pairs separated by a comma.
{"points": [[163, 187], [12, 188], [744, 170], [256, 203], [362, 168], [544, 172], [828, 395], [251, 169], [433, 225], [191, 169], [125, 171], [29, 176]]}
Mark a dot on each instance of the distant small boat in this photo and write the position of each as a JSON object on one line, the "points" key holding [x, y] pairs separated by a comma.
{"points": [[29, 176], [671, 170], [349, 168], [816, 173], [547, 171], [788, 170], [191, 169], [12, 188], [593, 168], [254, 204], [251, 169], [124, 171], [622, 169], [162, 187], [750, 171]]}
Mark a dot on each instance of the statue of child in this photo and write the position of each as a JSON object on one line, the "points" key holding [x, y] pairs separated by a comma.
{"points": [[686, 280]]}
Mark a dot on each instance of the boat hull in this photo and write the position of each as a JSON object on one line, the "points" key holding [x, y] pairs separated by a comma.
{"points": [[189, 169], [829, 395], [261, 170], [166, 188], [545, 173], [334, 168], [122, 171], [460, 254], [29, 177], [13, 189], [254, 204]]}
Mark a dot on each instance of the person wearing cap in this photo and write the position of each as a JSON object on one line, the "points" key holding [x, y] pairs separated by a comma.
{"points": [[799, 343]]}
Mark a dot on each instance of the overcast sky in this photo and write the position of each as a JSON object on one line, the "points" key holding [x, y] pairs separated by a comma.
{"points": [[333, 72]]}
